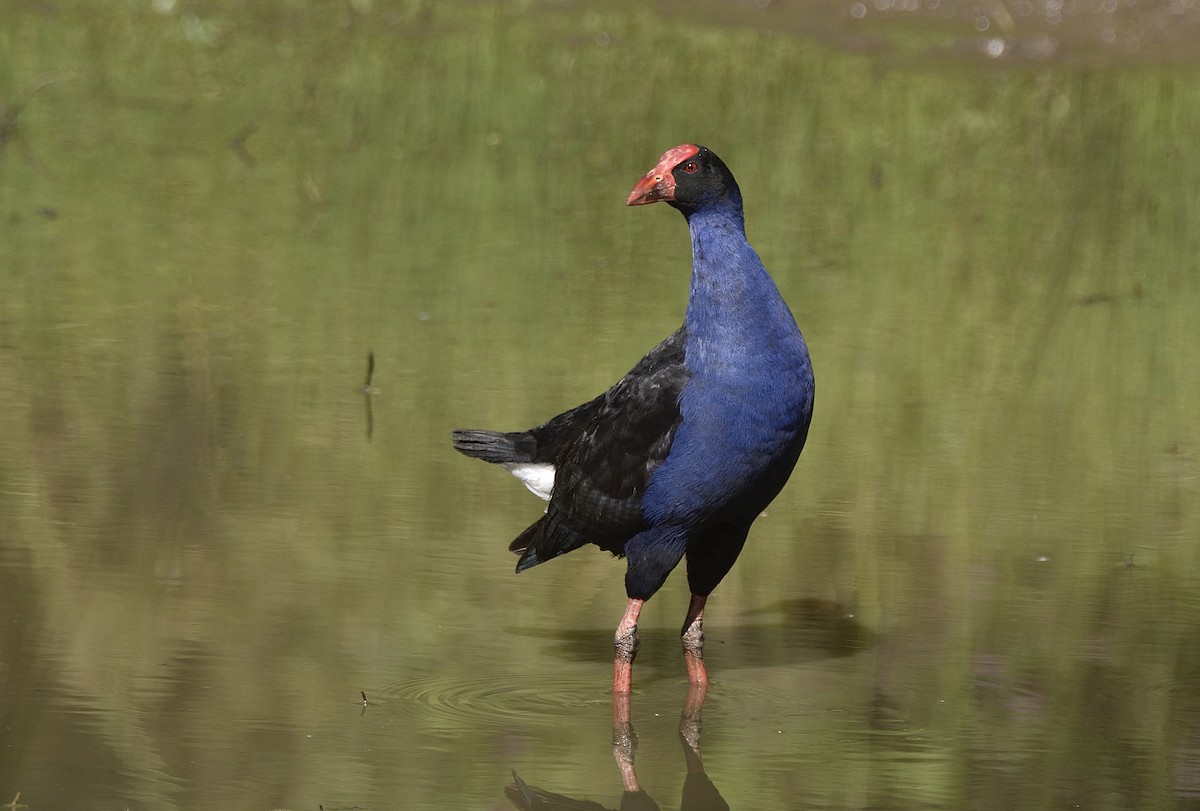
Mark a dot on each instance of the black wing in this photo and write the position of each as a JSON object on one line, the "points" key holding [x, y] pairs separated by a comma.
{"points": [[605, 451]]}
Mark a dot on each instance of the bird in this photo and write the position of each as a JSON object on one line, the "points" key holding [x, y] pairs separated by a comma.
{"points": [[679, 457]]}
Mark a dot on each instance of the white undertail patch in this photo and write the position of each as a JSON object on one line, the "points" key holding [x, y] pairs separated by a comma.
{"points": [[539, 478]]}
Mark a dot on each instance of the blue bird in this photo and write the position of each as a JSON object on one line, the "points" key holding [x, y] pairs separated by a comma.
{"points": [[680, 456]]}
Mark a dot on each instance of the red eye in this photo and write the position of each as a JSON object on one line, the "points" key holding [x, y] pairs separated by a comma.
{"points": [[690, 167]]}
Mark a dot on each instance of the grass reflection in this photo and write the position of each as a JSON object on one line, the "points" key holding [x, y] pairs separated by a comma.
{"points": [[204, 561]]}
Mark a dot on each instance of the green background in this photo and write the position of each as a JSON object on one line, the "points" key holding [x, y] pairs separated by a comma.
{"points": [[981, 588]]}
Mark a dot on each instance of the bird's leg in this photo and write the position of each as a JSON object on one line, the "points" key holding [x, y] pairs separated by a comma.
{"points": [[625, 646], [693, 641]]}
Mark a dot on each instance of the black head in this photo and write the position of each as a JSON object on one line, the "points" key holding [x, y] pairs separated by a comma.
{"points": [[690, 178]]}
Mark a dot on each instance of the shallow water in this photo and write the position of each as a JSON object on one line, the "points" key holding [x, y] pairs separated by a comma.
{"points": [[981, 588]]}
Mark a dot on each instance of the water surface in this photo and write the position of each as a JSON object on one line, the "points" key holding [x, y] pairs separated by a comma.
{"points": [[980, 590]]}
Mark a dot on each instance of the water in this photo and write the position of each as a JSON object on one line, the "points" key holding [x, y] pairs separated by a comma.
{"points": [[981, 588]]}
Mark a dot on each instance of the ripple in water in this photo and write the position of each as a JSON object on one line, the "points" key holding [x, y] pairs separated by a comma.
{"points": [[471, 703]]}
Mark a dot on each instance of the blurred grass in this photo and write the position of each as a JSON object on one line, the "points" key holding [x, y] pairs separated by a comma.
{"points": [[996, 271]]}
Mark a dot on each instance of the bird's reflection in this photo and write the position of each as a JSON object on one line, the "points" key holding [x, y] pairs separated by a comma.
{"points": [[699, 793]]}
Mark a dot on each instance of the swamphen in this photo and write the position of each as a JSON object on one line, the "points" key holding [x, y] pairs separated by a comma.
{"points": [[683, 453]]}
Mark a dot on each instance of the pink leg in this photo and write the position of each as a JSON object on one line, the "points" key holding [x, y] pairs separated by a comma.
{"points": [[625, 645], [693, 642]]}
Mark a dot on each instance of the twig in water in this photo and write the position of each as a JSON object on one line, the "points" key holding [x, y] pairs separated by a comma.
{"points": [[368, 391], [370, 371]]}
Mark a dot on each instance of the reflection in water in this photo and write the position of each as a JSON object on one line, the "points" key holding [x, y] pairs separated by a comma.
{"points": [[9, 131], [699, 793]]}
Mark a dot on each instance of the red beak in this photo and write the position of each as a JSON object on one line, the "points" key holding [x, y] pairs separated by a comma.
{"points": [[653, 187], [658, 184]]}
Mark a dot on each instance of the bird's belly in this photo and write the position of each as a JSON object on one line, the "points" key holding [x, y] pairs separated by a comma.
{"points": [[735, 448]]}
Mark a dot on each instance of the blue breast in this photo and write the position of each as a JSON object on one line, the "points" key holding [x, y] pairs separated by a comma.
{"points": [[748, 404]]}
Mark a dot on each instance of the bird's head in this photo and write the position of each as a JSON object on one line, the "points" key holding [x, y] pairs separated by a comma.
{"points": [[689, 177]]}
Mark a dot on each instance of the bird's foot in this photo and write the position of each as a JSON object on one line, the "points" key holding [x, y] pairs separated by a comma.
{"points": [[693, 643], [625, 648]]}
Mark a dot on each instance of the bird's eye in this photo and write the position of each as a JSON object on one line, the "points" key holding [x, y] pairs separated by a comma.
{"points": [[690, 167]]}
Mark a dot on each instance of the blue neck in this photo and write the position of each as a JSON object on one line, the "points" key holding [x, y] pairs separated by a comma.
{"points": [[735, 312]]}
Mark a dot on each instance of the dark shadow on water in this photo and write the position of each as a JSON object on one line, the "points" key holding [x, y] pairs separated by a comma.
{"points": [[788, 633], [698, 792]]}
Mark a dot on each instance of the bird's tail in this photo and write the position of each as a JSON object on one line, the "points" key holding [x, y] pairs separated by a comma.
{"points": [[494, 446]]}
